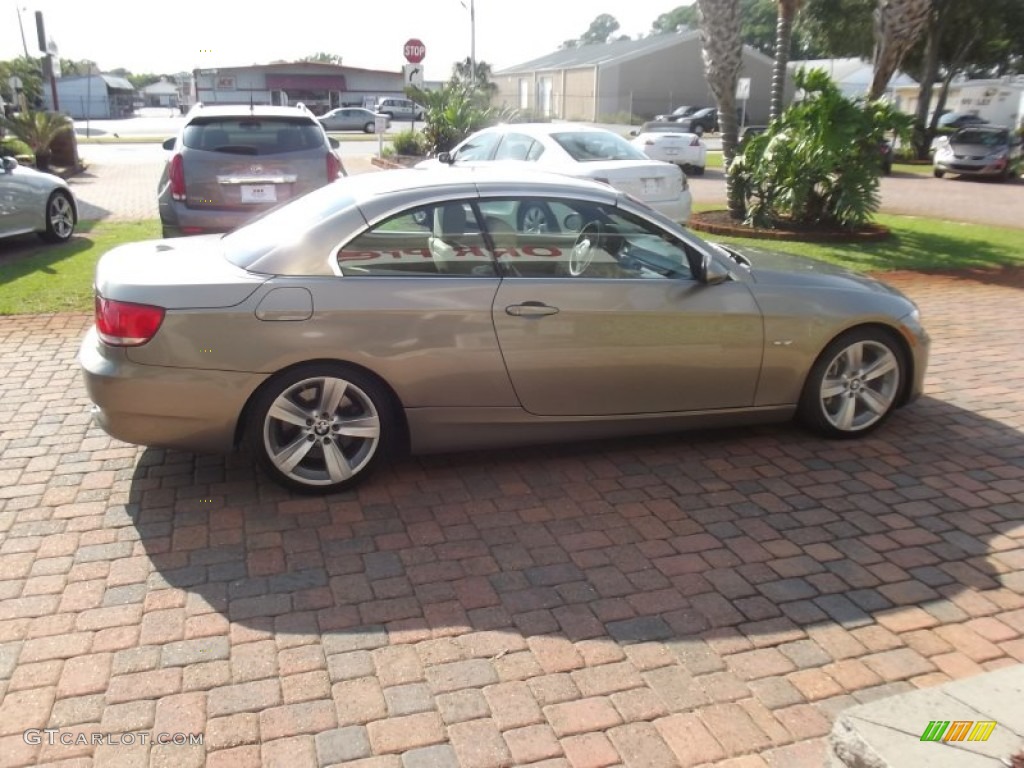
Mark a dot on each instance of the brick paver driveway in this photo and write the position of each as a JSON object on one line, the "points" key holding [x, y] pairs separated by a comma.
{"points": [[696, 599]]}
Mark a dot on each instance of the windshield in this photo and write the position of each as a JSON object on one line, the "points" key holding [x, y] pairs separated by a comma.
{"points": [[595, 146], [283, 225], [984, 138]]}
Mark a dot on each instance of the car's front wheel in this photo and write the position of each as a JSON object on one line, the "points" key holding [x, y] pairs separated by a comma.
{"points": [[938, 174], [854, 385], [322, 428], [60, 218]]}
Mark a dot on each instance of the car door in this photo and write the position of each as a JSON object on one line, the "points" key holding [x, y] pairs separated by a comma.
{"points": [[21, 202], [605, 317]]}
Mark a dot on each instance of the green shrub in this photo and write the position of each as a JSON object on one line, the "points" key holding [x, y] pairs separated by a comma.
{"points": [[818, 164], [453, 112], [408, 142]]}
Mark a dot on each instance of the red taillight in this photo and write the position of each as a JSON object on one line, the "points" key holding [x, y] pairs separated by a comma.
{"points": [[177, 178], [123, 324], [333, 167]]}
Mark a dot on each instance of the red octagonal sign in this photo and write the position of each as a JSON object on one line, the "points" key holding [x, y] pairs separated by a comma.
{"points": [[414, 50]]}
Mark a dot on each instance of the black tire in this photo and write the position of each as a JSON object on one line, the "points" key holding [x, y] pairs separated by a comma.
{"points": [[368, 128], [697, 170], [60, 218], [361, 402], [858, 401], [529, 214], [938, 174]]}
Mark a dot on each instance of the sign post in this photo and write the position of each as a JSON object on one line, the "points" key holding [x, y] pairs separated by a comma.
{"points": [[412, 73], [743, 93]]}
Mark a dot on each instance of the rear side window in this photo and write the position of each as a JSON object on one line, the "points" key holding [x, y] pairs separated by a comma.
{"points": [[253, 135]]}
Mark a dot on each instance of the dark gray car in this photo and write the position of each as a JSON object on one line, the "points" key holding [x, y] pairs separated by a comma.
{"points": [[230, 163]]}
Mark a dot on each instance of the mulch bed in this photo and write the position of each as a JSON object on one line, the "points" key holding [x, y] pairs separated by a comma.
{"points": [[720, 223]]}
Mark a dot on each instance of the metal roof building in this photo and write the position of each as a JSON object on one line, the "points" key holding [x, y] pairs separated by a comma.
{"points": [[92, 96], [640, 77]]}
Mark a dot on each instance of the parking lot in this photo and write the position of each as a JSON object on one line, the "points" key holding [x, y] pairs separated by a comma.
{"points": [[698, 599]]}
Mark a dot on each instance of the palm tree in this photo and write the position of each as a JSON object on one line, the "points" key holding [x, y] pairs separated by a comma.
{"points": [[783, 40], [723, 55], [38, 130], [898, 25]]}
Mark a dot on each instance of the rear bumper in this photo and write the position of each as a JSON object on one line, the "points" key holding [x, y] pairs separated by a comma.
{"points": [[178, 219], [677, 210], [185, 408]]}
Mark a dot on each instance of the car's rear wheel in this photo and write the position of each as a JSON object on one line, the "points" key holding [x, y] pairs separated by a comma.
{"points": [[368, 128], [854, 385], [699, 130], [536, 218], [60, 218], [697, 170], [322, 428]]}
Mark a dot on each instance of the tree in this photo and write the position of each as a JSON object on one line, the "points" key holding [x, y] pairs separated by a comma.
{"points": [[71, 68], [463, 72], [722, 46], [676, 20], [323, 58], [836, 28], [897, 26], [600, 29], [38, 130], [783, 41], [27, 70]]}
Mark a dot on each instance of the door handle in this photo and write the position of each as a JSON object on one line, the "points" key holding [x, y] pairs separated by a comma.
{"points": [[530, 309]]}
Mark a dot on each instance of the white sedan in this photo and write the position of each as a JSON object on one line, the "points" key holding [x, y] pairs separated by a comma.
{"points": [[665, 141], [31, 201], [580, 151]]}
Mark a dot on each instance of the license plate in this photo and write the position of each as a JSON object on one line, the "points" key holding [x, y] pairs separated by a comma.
{"points": [[670, 151], [650, 186], [261, 193]]}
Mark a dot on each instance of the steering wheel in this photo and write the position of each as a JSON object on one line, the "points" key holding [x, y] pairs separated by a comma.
{"points": [[582, 252]]}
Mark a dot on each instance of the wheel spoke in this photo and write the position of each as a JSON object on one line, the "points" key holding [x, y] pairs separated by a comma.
{"points": [[853, 356], [331, 395], [289, 457], [367, 427], [880, 367], [338, 467], [844, 419], [874, 401], [832, 387], [287, 411]]}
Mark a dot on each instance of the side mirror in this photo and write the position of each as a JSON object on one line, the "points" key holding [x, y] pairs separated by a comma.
{"points": [[9, 164], [169, 144], [335, 144], [713, 273], [446, 158]]}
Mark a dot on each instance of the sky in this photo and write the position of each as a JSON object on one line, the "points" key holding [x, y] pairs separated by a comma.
{"points": [[180, 35]]}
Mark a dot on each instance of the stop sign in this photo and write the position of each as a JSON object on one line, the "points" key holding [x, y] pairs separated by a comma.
{"points": [[414, 50]]}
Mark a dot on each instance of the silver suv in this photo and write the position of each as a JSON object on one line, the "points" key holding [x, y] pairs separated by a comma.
{"points": [[230, 163], [399, 109]]}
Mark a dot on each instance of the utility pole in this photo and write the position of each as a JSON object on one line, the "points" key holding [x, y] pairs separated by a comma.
{"points": [[21, 26]]}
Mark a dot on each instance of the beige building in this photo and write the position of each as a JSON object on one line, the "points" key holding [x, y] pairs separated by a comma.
{"points": [[642, 77]]}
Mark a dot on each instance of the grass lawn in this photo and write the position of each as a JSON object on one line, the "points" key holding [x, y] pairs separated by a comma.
{"points": [[39, 278], [916, 244]]}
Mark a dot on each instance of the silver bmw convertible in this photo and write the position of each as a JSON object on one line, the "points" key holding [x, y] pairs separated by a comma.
{"points": [[406, 310]]}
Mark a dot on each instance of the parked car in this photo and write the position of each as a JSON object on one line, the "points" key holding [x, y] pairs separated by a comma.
{"points": [[31, 201], [230, 163], [575, 150], [352, 119], [405, 309], [980, 150], [664, 141], [700, 122], [399, 109], [676, 114], [952, 120]]}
